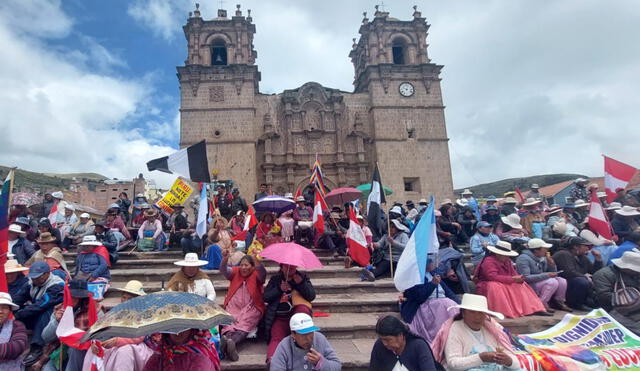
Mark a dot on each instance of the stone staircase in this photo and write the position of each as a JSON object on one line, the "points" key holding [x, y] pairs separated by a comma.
{"points": [[353, 306]]}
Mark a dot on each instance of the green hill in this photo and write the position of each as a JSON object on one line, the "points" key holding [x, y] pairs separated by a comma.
{"points": [[31, 181], [499, 187]]}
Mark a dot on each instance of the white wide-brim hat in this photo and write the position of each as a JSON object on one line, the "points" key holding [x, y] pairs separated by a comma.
{"points": [[191, 260], [16, 229], [467, 191], [531, 201], [462, 202], [614, 206], [512, 220], [628, 211], [581, 203], [90, 240], [12, 266], [399, 225], [476, 303], [628, 260], [502, 248], [5, 299]]}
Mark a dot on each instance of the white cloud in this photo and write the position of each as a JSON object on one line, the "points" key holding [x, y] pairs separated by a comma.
{"points": [[59, 117]]}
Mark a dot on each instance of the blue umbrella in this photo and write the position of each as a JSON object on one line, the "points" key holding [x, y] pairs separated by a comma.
{"points": [[274, 204], [166, 312]]}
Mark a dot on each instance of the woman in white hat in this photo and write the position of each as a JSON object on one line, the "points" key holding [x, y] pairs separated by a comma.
{"points": [[540, 271], [18, 245], [625, 221], [509, 229], [13, 336], [533, 221], [83, 227], [505, 289], [191, 279], [623, 273], [68, 219], [473, 339]]}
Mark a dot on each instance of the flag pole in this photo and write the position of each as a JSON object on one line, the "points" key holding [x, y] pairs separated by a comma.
{"points": [[390, 244]]}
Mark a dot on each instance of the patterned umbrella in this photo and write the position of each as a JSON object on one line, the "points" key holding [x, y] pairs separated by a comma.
{"points": [[25, 198], [274, 204], [341, 196], [168, 312]]}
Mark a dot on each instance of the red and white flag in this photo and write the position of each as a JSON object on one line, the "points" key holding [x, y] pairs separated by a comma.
{"points": [[616, 175], [356, 241], [53, 214], [318, 217], [67, 331], [298, 194], [598, 222], [97, 362], [250, 221]]}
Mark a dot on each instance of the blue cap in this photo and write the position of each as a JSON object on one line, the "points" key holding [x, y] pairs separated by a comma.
{"points": [[22, 220], [37, 269], [569, 206], [483, 224], [492, 207]]}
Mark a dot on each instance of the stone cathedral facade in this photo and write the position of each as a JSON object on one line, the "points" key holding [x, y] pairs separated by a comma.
{"points": [[393, 117]]}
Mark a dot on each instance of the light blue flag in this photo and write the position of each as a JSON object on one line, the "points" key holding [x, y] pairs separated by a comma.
{"points": [[203, 209], [412, 264]]}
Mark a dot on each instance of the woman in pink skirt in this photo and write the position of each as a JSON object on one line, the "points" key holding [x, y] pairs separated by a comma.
{"points": [[425, 307], [505, 289]]}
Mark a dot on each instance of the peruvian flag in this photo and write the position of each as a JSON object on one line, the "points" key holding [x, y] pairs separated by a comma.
{"points": [[616, 175], [250, 221], [53, 214], [520, 195], [356, 242], [598, 222], [67, 331], [318, 218], [97, 362]]}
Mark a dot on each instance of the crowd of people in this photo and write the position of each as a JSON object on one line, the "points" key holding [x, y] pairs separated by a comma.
{"points": [[498, 257]]}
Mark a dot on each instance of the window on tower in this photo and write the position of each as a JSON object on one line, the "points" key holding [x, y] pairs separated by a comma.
{"points": [[398, 48], [218, 53]]}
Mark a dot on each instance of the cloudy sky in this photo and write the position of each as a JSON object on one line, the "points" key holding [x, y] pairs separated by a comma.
{"points": [[530, 87]]}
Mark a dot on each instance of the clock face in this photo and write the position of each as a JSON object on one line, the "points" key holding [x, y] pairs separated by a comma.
{"points": [[406, 89]]}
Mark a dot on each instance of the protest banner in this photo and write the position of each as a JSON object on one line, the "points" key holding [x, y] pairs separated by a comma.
{"points": [[177, 194], [595, 341]]}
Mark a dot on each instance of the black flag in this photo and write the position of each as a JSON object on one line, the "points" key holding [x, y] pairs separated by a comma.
{"points": [[190, 162], [374, 206]]}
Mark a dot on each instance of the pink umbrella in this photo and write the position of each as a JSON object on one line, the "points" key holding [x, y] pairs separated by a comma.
{"points": [[292, 254], [341, 196]]}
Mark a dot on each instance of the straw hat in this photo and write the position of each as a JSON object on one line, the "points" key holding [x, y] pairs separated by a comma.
{"points": [[580, 203], [12, 266], [560, 227], [531, 201], [300, 199], [628, 211], [45, 237], [628, 260], [446, 201], [614, 206], [16, 229], [191, 260], [150, 212], [90, 240], [502, 248], [133, 287], [399, 226], [476, 303], [5, 299], [509, 194], [509, 200], [423, 201], [85, 216], [396, 210], [70, 207], [512, 220], [467, 191], [554, 210], [536, 243]]}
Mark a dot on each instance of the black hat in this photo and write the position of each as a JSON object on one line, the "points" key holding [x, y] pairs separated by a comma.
{"points": [[575, 240], [79, 289], [409, 203], [100, 222]]}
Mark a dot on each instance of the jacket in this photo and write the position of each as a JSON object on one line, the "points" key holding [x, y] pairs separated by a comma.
{"points": [[23, 250], [397, 247], [109, 240], [93, 264], [42, 298], [533, 269], [289, 357], [15, 286], [604, 282], [416, 356], [624, 247], [81, 230], [477, 248], [254, 282], [420, 293], [238, 204], [574, 266], [273, 293]]}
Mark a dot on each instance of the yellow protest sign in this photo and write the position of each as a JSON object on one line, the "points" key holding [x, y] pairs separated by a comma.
{"points": [[177, 194]]}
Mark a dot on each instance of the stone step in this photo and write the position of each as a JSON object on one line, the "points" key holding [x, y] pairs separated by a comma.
{"points": [[168, 263], [169, 254], [160, 274], [322, 286], [328, 303]]}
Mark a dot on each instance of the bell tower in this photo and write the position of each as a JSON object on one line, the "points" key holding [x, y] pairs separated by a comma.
{"points": [[219, 84], [393, 68]]}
